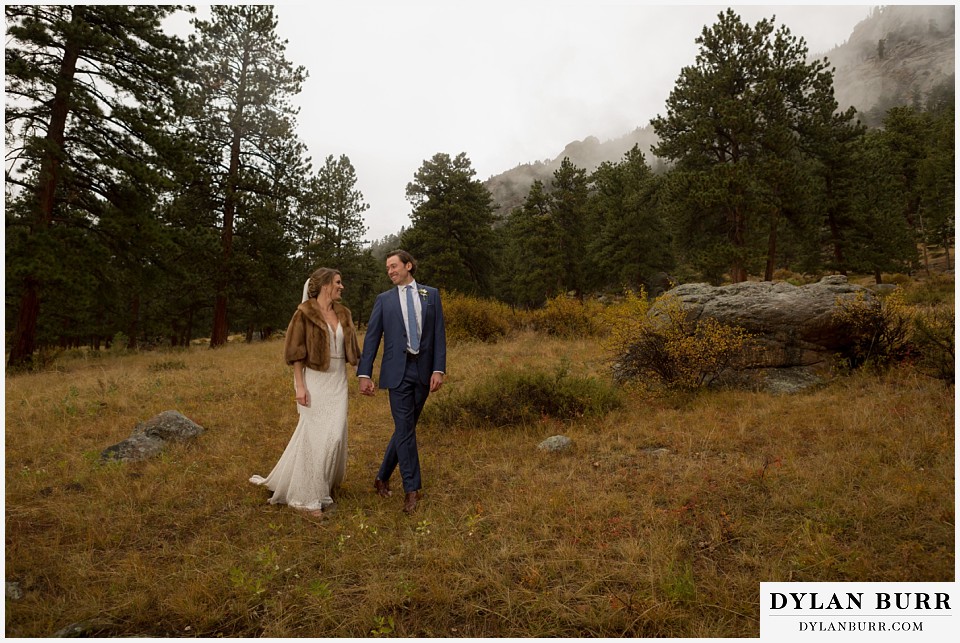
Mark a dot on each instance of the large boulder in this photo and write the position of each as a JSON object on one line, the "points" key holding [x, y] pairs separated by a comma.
{"points": [[148, 438], [795, 326]]}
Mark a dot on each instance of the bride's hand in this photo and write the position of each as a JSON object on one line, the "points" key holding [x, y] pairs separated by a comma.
{"points": [[303, 397]]}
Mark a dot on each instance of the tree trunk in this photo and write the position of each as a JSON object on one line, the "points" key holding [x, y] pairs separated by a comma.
{"points": [[771, 249], [836, 240], [188, 330], [24, 338], [133, 329], [25, 334], [738, 271], [218, 337]]}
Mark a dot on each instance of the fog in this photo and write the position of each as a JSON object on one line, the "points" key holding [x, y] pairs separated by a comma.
{"points": [[393, 83]]}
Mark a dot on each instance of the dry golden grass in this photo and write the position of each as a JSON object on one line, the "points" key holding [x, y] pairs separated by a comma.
{"points": [[662, 521]]}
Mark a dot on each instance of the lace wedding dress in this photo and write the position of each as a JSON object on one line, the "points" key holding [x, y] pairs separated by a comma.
{"points": [[315, 461]]}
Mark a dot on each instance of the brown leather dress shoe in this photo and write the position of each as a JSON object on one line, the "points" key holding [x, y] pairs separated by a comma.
{"points": [[410, 501], [382, 488]]}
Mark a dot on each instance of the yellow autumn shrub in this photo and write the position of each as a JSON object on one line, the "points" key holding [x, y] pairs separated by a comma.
{"points": [[471, 318], [565, 316], [658, 342], [879, 329]]}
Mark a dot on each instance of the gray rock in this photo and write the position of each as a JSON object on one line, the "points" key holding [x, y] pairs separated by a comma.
{"points": [[14, 593], [779, 381], [148, 438], [85, 629], [794, 325], [657, 451], [555, 444]]}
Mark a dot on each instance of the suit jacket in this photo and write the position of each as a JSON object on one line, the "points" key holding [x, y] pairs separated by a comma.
{"points": [[386, 322]]}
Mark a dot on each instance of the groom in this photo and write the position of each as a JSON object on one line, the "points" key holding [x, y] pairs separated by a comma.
{"points": [[409, 318]]}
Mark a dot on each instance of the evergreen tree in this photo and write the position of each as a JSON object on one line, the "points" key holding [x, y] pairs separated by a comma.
{"points": [[89, 88], [631, 243], [921, 145], [733, 125], [331, 230], [571, 219], [242, 86], [904, 137], [832, 144], [451, 233], [330, 225], [936, 177], [879, 238], [530, 267]]}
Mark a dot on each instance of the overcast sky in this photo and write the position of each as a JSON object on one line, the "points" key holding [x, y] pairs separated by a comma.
{"points": [[506, 82]]}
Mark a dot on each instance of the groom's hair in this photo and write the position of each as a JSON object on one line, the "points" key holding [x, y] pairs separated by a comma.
{"points": [[320, 278], [405, 258]]}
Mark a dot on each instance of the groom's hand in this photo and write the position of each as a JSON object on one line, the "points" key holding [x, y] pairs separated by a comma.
{"points": [[367, 387], [436, 381]]}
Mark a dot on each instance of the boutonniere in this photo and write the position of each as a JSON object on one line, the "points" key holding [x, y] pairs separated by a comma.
{"points": [[423, 293]]}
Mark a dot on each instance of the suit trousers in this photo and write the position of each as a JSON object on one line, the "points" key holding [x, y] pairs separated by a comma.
{"points": [[406, 403]]}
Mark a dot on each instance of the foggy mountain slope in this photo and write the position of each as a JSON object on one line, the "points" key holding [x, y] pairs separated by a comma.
{"points": [[916, 56], [510, 188], [897, 54]]}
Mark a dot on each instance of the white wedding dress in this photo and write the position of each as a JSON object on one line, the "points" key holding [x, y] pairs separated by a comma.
{"points": [[315, 461]]}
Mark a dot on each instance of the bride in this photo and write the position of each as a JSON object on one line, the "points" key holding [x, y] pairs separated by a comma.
{"points": [[320, 339]]}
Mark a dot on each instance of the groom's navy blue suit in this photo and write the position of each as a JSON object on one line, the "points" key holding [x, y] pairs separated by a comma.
{"points": [[406, 376]]}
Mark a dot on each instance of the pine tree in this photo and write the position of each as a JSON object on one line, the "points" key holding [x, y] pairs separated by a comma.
{"points": [[89, 89], [936, 177], [451, 226], [879, 238], [631, 243], [243, 83], [571, 219], [529, 270], [733, 125], [331, 227]]}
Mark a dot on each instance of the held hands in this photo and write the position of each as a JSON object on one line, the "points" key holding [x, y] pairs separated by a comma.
{"points": [[367, 387]]}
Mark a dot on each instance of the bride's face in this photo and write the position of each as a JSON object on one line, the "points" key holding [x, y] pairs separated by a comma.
{"points": [[335, 288]]}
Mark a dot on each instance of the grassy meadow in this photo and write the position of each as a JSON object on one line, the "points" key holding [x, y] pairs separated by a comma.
{"points": [[660, 522]]}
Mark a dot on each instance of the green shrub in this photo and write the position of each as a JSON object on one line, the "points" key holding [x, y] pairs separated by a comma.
{"points": [[880, 329], [167, 365], [565, 316], [470, 318], [119, 344], [516, 397], [933, 337], [658, 342]]}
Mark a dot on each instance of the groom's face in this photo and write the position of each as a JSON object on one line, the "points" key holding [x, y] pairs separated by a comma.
{"points": [[398, 271]]}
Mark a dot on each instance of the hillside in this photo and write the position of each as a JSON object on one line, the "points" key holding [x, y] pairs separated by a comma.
{"points": [[896, 54], [510, 188]]}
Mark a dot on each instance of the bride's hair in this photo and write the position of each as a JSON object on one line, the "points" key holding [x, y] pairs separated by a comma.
{"points": [[321, 277]]}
